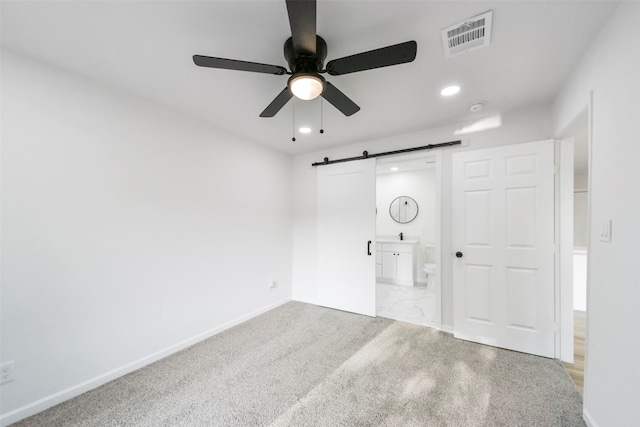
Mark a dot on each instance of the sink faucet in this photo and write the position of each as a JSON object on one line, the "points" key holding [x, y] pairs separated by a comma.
{"points": [[401, 236]]}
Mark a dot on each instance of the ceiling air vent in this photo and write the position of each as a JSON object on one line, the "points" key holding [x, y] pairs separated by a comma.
{"points": [[467, 35]]}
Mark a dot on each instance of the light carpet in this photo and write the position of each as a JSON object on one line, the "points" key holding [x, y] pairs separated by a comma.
{"points": [[303, 365]]}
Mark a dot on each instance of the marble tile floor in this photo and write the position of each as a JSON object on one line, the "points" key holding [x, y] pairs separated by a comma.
{"points": [[412, 304]]}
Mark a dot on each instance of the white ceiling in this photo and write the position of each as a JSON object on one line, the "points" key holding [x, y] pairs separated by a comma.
{"points": [[145, 47]]}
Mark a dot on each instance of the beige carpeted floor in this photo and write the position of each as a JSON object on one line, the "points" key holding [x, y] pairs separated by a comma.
{"points": [[302, 365]]}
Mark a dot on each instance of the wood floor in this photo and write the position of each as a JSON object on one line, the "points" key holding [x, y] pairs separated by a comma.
{"points": [[576, 369]]}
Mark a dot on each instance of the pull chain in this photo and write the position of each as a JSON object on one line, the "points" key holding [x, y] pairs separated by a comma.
{"points": [[293, 121], [321, 116]]}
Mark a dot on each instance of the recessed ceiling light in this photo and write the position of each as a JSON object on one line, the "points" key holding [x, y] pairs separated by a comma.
{"points": [[393, 169], [305, 130], [476, 107], [450, 90]]}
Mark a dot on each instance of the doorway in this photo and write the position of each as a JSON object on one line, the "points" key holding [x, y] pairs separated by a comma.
{"points": [[579, 133], [411, 296]]}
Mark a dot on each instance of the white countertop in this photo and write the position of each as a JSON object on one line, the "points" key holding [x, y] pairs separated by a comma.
{"points": [[397, 240]]}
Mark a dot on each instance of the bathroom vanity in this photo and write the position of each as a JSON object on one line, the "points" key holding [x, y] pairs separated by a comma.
{"points": [[395, 261]]}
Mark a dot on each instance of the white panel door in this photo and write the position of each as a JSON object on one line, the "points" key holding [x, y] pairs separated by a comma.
{"points": [[346, 236], [503, 239]]}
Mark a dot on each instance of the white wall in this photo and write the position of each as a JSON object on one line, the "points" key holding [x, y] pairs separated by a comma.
{"points": [[581, 180], [580, 231], [580, 208], [518, 126], [417, 184], [128, 232], [610, 71], [421, 186], [580, 280]]}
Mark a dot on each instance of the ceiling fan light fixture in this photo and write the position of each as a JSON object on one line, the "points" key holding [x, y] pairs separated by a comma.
{"points": [[306, 86]]}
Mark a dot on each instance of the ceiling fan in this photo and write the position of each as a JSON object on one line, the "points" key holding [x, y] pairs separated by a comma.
{"points": [[305, 53]]}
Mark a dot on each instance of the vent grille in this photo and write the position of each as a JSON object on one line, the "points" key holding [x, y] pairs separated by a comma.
{"points": [[468, 35]]}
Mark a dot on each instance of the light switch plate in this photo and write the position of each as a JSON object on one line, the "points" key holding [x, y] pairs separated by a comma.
{"points": [[605, 231]]}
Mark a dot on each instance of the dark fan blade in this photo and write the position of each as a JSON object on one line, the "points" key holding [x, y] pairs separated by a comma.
{"points": [[233, 64], [383, 57], [339, 100], [302, 19], [277, 104]]}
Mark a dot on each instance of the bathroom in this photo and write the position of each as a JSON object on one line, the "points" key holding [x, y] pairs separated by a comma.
{"points": [[407, 199]]}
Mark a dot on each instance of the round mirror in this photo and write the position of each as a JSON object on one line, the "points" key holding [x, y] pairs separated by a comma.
{"points": [[403, 209]]}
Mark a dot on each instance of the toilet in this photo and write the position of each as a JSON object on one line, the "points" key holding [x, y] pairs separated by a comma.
{"points": [[430, 269], [430, 266]]}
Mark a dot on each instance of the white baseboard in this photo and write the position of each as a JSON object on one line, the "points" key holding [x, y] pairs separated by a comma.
{"points": [[447, 328], [305, 300], [61, 396], [588, 419]]}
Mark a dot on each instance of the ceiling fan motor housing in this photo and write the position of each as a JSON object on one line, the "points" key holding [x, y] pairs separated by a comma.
{"points": [[305, 62]]}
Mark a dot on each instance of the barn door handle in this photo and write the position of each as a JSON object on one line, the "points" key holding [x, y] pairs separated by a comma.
{"points": [[459, 254], [369, 247]]}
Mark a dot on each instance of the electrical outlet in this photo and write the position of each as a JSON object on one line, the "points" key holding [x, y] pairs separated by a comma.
{"points": [[7, 372]]}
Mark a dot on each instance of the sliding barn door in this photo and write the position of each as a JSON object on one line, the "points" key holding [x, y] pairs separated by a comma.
{"points": [[503, 243], [346, 236]]}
